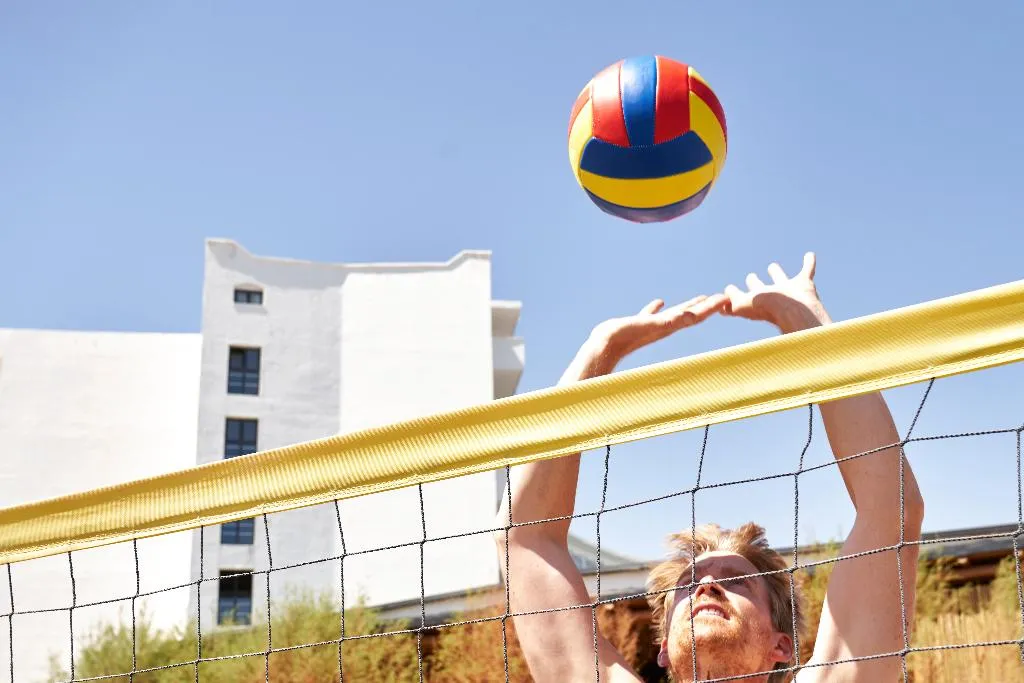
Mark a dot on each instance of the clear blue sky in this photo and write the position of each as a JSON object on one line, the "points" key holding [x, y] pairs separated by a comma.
{"points": [[886, 137]]}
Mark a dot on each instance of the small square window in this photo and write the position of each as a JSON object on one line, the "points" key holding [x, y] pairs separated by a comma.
{"points": [[234, 599], [248, 296], [243, 371], [241, 532]]}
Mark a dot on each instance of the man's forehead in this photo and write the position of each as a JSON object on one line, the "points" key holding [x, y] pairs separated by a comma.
{"points": [[721, 560]]}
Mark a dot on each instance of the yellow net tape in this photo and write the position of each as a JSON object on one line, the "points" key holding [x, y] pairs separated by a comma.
{"points": [[968, 332]]}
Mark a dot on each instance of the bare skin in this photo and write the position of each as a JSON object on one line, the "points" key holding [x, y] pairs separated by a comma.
{"points": [[732, 620]]}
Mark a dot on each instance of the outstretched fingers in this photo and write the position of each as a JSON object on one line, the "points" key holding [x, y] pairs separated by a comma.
{"points": [[705, 308], [652, 307], [733, 297], [777, 274], [810, 263], [708, 306], [657, 305], [694, 311]]}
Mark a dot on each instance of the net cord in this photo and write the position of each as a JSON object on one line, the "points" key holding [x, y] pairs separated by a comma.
{"points": [[957, 334]]}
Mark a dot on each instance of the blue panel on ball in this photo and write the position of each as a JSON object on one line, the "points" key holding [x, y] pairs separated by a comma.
{"points": [[679, 155], [656, 215], [638, 82]]}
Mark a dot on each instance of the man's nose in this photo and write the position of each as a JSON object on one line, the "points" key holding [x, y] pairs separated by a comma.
{"points": [[708, 584]]}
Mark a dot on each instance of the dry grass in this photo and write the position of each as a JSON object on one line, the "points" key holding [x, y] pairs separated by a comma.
{"points": [[974, 618], [475, 653], [989, 663]]}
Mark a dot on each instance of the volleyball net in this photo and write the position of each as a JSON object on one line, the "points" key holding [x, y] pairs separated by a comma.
{"points": [[244, 620]]}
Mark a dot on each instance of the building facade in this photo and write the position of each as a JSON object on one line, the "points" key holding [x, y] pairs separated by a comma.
{"points": [[81, 410], [294, 351], [288, 351]]}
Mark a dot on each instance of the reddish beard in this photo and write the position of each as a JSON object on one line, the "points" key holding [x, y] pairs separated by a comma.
{"points": [[732, 646]]}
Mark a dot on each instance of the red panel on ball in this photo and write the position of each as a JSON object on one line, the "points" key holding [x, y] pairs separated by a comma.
{"points": [[672, 103], [605, 93]]}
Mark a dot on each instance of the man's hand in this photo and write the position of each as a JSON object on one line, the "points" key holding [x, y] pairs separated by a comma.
{"points": [[790, 304], [862, 615], [614, 339]]}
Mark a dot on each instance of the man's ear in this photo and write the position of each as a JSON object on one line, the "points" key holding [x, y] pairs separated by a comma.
{"points": [[663, 654], [783, 649]]}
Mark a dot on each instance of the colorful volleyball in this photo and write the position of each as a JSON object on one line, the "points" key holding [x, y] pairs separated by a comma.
{"points": [[647, 139]]}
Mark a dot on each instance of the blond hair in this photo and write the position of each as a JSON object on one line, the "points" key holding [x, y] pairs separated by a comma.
{"points": [[747, 541]]}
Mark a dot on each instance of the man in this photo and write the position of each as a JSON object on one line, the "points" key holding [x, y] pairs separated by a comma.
{"points": [[706, 617]]}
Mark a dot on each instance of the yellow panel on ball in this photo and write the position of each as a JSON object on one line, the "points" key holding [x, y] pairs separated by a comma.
{"points": [[579, 135], [649, 193]]}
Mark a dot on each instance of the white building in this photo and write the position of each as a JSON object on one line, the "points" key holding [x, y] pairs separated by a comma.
{"points": [[288, 351]]}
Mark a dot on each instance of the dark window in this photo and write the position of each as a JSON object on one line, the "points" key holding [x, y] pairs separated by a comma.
{"points": [[240, 437], [248, 296], [238, 533], [234, 600], [243, 371]]}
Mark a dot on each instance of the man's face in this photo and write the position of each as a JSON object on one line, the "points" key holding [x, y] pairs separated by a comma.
{"points": [[731, 621]]}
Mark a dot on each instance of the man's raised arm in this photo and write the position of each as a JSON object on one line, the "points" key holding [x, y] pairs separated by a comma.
{"points": [[559, 646], [863, 611]]}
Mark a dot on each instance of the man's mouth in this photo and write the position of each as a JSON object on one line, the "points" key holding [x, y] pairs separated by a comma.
{"points": [[710, 611]]}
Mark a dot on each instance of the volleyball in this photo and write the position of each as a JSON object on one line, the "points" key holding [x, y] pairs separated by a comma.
{"points": [[647, 139]]}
